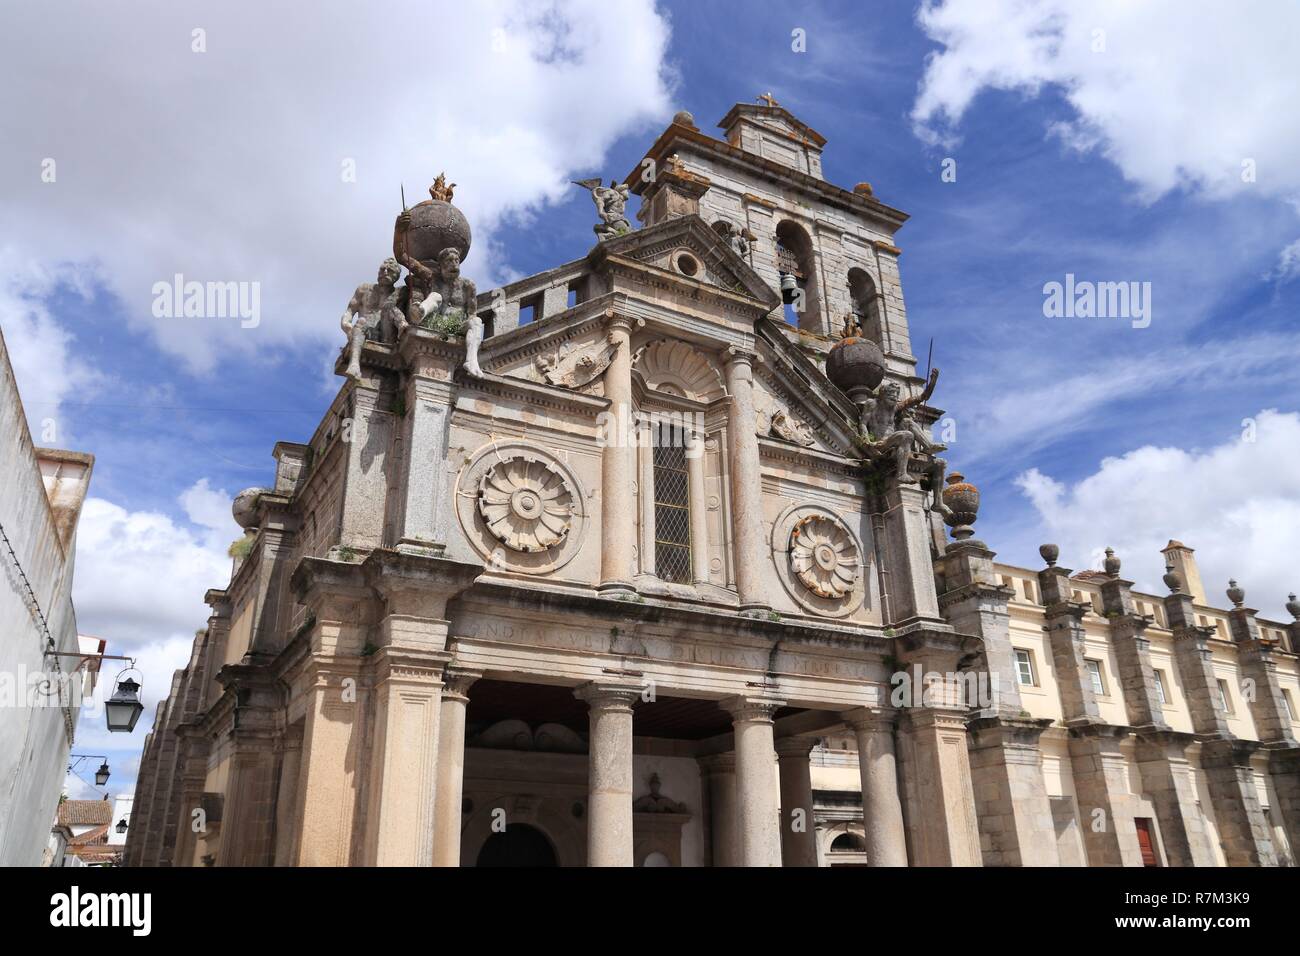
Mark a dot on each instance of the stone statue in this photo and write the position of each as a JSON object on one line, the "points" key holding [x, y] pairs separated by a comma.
{"points": [[655, 802], [611, 203], [738, 239], [891, 430], [372, 313], [455, 310], [440, 191]]}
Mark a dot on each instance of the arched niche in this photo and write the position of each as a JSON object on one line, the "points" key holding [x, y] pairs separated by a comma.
{"points": [[866, 305], [795, 258]]}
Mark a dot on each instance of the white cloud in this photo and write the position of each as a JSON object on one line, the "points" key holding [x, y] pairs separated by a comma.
{"points": [[1237, 504], [1183, 92], [227, 164], [1288, 264], [45, 364]]}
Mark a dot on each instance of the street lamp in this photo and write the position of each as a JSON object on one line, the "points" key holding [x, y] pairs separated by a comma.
{"points": [[101, 775], [123, 709], [121, 825]]}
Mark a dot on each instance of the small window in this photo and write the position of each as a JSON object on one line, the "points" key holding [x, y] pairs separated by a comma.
{"points": [[687, 265], [1029, 592], [1098, 682], [1025, 668], [1161, 694], [1288, 708], [1225, 699]]}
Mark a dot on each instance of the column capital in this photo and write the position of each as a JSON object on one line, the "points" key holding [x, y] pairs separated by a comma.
{"points": [[795, 747], [609, 696], [872, 719], [735, 355], [457, 680], [618, 321], [713, 764], [754, 709]]}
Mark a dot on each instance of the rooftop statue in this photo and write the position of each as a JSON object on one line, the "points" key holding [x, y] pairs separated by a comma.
{"points": [[432, 239], [611, 205], [372, 313], [891, 430], [738, 238]]}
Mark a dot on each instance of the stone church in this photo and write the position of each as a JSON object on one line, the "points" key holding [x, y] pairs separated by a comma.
{"points": [[652, 559]]}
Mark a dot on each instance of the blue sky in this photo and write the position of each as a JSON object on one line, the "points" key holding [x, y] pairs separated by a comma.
{"points": [[1069, 160]]}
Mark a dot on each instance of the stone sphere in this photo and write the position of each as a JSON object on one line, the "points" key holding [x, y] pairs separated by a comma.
{"points": [[855, 362], [1049, 553], [245, 507], [684, 118], [435, 226]]}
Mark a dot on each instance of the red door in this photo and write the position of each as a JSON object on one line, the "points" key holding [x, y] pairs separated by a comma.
{"points": [[1146, 842]]}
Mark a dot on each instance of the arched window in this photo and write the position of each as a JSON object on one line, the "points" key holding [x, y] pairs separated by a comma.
{"points": [[796, 264], [848, 843], [866, 306]]}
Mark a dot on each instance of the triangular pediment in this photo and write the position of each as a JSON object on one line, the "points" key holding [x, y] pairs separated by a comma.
{"points": [[686, 249], [796, 404]]}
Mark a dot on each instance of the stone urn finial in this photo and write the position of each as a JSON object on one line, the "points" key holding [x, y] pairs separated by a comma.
{"points": [[1049, 553], [1235, 594], [1172, 581], [963, 501], [1111, 564], [1293, 606]]}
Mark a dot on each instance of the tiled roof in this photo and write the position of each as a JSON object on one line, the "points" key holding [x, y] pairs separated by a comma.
{"points": [[74, 813]]}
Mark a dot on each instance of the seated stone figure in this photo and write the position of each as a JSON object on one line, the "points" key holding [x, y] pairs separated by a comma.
{"points": [[891, 430], [451, 305], [372, 313]]}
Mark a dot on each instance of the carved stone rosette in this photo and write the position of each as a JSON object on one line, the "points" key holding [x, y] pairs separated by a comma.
{"points": [[824, 556], [521, 508], [820, 560], [526, 503]]}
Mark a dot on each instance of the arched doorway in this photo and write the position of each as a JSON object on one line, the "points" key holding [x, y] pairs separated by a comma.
{"points": [[518, 845]]}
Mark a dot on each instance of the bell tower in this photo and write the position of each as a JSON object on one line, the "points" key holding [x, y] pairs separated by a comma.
{"points": [[829, 251]]}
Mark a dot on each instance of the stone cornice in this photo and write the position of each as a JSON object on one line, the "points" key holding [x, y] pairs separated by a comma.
{"points": [[800, 182]]}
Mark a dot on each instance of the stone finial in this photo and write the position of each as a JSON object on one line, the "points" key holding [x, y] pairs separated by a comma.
{"points": [[244, 507], [1293, 606], [1049, 553], [963, 502], [768, 100], [685, 118], [862, 189], [1172, 581], [1235, 594], [1111, 564]]}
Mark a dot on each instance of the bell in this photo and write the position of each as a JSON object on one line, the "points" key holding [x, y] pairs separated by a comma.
{"points": [[788, 283]]}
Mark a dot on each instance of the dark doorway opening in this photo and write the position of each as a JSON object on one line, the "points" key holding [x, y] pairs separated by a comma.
{"points": [[518, 845], [1146, 841]]}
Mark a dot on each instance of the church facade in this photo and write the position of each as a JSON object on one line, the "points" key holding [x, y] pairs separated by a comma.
{"points": [[653, 559]]}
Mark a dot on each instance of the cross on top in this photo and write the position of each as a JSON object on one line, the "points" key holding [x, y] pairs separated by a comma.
{"points": [[769, 99]]}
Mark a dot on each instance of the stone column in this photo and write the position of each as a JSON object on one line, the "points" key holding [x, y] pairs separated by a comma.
{"points": [[451, 765], [758, 819], [938, 801], [618, 464], [286, 800], [1063, 619], [911, 591], [1137, 678], [1011, 802], [645, 484], [1243, 832], [798, 828], [609, 763], [428, 407], [719, 770], [365, 478], [1168, 780], [699, 516], [1100, 785], [1255, 656], [403, 777], [882, 810], [746, 482]]}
